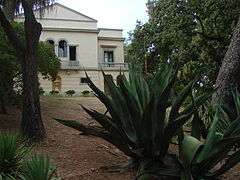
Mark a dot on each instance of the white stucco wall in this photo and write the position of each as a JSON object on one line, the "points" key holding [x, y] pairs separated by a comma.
{"points": [[104, 32], [86, 45], [111, 45], [70, 80]]}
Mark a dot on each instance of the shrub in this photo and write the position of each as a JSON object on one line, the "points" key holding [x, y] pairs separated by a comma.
{"points": [[12, 153], [138, 124], [13, 163], [54, 92], [41, 91], [38, 168], [200, 160], [70, 92], [85, 92]]}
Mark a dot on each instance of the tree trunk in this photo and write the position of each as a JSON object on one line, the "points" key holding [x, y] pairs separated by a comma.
{"points": [[3, 107], [229, 74], [31, 126]]}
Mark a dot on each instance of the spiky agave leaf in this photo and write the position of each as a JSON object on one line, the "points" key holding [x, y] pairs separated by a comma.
{"points": [[12, 153], [38, 168], [116, 141], [119, 102]]}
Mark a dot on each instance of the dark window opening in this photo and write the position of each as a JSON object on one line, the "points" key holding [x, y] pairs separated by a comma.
{"points": [[62, 49], [108, 56], [84, 80], [51, 42], [72, 52]]}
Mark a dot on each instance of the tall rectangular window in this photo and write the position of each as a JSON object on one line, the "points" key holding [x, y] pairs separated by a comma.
{"points": [[62, 49], [72, 52], [108, 56]]}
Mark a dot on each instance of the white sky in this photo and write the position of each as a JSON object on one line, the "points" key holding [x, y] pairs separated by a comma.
{"points": [[116, 14]]}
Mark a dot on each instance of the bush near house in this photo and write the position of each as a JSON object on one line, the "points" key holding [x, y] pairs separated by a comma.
{"points": [[41, 91], [85, 92], [54, 92], [70, 92]]}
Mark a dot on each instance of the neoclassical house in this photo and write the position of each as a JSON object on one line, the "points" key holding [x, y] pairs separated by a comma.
{"points": [[81, 46]]}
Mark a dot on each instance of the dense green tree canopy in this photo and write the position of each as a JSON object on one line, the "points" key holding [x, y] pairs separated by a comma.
{"points": [[194, 33], [10, 67]]}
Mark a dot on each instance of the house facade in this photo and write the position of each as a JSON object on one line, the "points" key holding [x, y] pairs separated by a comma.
{"points": [[81, 46]]}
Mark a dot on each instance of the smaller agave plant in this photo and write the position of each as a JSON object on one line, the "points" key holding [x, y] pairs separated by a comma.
{"points": [[12, 153], [200, 159], [138, 122], [38, 168]]}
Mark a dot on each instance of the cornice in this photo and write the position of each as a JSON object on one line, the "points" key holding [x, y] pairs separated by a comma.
{"points": [[70, 30], [111, 38]]}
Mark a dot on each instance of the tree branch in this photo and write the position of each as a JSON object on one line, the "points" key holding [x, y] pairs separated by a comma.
{"points": [[32, 27], [10, 32], [201, 23], [219, 39]]}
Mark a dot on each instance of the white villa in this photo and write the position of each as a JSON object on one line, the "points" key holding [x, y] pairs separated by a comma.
{"points": [[81, 46]]}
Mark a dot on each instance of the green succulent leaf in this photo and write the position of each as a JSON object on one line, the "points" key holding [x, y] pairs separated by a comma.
{"points": [[121, 108], [99, 133], [179, 100], [231, 162]]}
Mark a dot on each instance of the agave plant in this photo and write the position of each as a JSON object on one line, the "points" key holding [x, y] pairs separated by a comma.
{"points": [[12, 153], [199, 159], [38, 168], [138, 123], [228, 114]]}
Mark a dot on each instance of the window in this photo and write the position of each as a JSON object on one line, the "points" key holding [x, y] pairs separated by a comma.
{"points": [[84, 80], [108, 56], [51, 42], [72, 53], [62, 49]]}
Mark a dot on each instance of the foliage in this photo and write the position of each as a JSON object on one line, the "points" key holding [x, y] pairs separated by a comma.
{"points": [[49, 64], [85, 92], [184, 31], [12, 153], [200, 159], [38, 168], [54, 92], [13, 162], [41, 91], [138, 123], [70, 92], [228, 113], [10, 65]]}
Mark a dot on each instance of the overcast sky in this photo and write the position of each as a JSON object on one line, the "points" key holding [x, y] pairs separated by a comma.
{"points": [[116, 14]]}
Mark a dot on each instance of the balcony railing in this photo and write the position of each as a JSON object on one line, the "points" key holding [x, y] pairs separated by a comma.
{"points": [[66, 64], [70, 65], [113, 66]]}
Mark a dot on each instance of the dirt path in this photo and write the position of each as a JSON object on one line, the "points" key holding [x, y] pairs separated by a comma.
{"points": [[78, 157]]}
